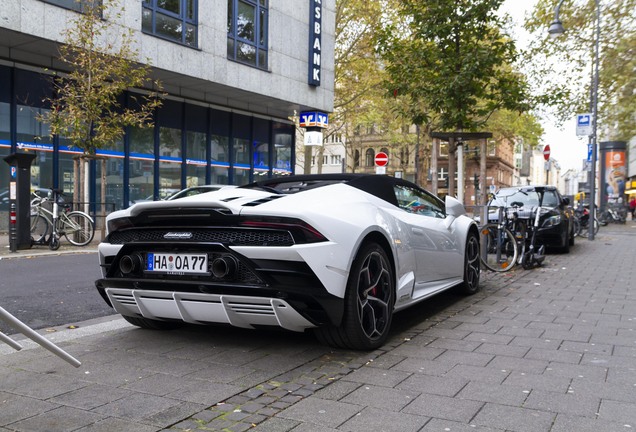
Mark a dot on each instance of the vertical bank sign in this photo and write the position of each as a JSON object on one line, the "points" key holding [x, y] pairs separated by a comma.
{"points": [[315, 42]]}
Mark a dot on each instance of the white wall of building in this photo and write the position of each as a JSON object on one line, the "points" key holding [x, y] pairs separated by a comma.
{"points": [[205, 73]]}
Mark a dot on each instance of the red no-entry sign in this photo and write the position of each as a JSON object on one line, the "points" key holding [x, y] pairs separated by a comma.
{"points": [[381, 159], [546, 152]]}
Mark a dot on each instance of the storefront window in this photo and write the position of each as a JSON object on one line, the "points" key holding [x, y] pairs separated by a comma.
{"points": [[169, 161], [220, 160], [283, 141], [114, 165], [260, 148], [33, 135], [67, 170], [196, 148], [5, 150], [170, 154], [141, 164], [195, 159], [241, 161]]}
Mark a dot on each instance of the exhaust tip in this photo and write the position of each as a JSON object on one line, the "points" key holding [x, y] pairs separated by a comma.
{"points": [[130, 264], [224, 267]]}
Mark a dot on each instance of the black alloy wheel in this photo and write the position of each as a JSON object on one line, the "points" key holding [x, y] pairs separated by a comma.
{"points": [[472, 265], [369, 303]]}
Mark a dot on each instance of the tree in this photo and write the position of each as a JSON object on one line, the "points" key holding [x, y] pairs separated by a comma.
{"points": [[563, 67], [451, 62], [102, 64]]}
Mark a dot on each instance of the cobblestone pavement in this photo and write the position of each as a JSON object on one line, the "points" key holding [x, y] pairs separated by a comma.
{"points": [[550, 349]]}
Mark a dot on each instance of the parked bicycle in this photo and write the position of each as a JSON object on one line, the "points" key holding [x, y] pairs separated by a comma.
{"points": [[47, 226], [510, 236], [613, 214], [582, 221], [500, 244]]}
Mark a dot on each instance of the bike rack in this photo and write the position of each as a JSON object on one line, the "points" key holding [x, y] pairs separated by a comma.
{"points": [[33, 335]]}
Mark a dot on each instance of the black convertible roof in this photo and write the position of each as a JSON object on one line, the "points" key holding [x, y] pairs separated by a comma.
{"points": [[379, 185]]}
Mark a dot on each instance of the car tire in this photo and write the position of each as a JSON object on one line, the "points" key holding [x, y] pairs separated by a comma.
{"points": [[472, 265], [151, 324], [571, 240], [369, 302]]}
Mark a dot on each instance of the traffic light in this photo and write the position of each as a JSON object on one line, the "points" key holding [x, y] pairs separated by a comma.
{"points": [[446, 182], [476, 181]]}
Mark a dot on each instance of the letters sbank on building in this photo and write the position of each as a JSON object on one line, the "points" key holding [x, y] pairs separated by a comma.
{"points": [[234, 73]]}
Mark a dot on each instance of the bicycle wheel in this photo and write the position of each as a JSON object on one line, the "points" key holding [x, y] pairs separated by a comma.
{"points": [[39, 228], [501, 248], [77, 227], [577, 226]]}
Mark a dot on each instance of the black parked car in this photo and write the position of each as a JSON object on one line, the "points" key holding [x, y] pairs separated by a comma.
{"points": [[556, 221]]}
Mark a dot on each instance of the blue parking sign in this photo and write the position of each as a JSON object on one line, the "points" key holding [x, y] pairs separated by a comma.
{"points": [[584, 124]]}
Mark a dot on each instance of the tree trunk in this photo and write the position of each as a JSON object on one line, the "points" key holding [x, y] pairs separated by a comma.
{"points": [[452, 166], [434, 175], [76, 183], [307, 165], [483, 172], [102, 219]]}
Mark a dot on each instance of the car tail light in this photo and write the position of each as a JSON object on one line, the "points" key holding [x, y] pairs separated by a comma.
{"points": [[119, 223], [300, 230]]}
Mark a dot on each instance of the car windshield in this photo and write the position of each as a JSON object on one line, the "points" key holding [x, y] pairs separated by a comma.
{"points": [[515, 197], [523, 198]]}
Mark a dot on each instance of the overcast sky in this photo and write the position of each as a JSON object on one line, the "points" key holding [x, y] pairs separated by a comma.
{"points": [[568, 149]]}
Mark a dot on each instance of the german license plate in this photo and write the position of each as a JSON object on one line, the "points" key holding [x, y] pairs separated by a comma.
{"points": [[178, 263]]}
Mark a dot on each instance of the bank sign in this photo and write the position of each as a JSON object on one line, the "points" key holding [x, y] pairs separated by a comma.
{"points": [[315, 41], [313, 119]]}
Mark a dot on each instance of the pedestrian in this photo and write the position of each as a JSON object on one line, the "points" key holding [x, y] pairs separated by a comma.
{"points": [[632, 206]]}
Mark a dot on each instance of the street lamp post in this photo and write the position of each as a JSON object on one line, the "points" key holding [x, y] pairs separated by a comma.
{"points": [[556, 28]]}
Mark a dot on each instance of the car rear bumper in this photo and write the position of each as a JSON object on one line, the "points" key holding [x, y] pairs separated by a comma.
{"points": [[199, 308]]}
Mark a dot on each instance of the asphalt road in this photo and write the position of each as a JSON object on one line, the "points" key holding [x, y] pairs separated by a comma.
{"points": [[48, 291]]}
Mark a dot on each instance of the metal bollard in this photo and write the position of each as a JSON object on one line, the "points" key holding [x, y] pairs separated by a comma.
{"points": [[13, 228]]}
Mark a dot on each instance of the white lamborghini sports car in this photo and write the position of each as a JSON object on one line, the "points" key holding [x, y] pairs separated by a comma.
{"points": [[337, 253]]}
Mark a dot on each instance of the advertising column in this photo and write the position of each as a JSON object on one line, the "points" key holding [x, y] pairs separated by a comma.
{"points": [[613, 177]]}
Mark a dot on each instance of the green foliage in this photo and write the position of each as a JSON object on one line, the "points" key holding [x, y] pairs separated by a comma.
{"points": [[86, 107], [449, 62], [563, 67], [512, 127]]}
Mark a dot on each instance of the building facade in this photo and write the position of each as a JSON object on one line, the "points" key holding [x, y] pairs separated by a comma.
{"points": [[235, 72]]}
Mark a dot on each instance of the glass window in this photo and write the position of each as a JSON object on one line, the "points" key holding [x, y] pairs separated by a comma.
{"points": [[260, 148], [283, 140], [77, 5], [175, 20], [169, 161], [5, 150], [33, 135], [196, 145], [66, 168], [141, 165], [219, 162], [196, 159], [114, 166], [369, 158], [241, 161], [419, 202], [247, 23]]}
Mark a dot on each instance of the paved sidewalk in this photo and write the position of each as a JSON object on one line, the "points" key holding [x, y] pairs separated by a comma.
{"points": [[550, 349], [65, 248]]}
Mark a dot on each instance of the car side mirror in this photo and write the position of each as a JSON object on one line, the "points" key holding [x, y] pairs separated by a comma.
{"points": [[454, 207], [566, 201]]}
